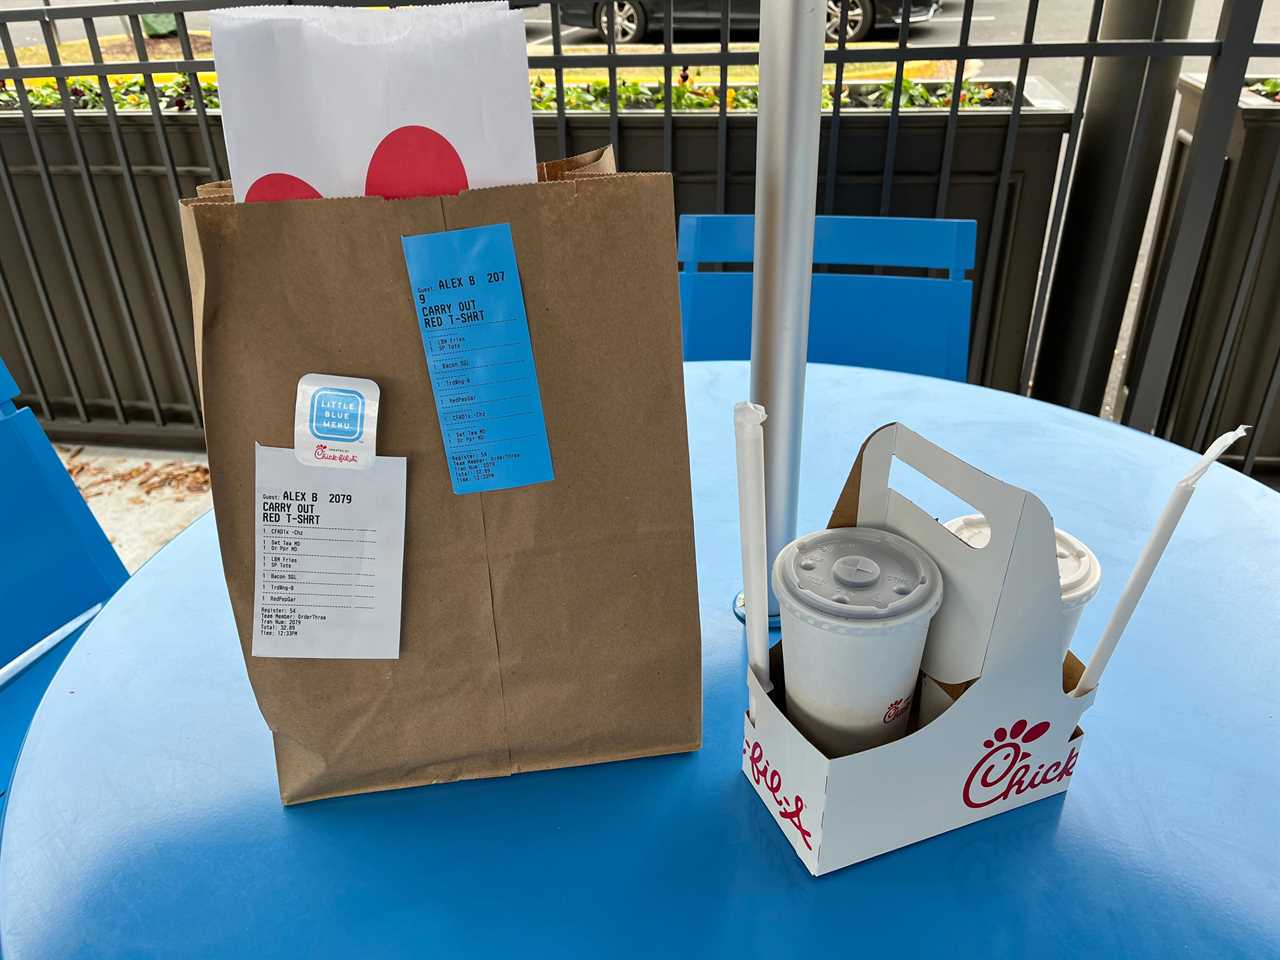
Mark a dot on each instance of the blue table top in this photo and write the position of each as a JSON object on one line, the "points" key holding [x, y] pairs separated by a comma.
{"points": [[144, 818]]}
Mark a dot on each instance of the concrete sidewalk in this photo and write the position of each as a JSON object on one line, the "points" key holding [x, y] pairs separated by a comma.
{"points": [[141, 498]]}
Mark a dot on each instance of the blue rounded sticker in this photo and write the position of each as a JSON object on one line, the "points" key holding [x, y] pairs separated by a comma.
{"points": [[337, 414]]}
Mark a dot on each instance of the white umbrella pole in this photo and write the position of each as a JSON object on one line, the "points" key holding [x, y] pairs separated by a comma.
{"points": [[791, 51]]}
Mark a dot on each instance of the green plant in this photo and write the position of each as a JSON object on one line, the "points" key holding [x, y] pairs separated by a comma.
{"points": [[688, 93], [1269, 88], [127, 93], [916, 94]]}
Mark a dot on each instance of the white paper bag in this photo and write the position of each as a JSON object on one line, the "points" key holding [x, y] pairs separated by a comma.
{"points": [[332, 102]]}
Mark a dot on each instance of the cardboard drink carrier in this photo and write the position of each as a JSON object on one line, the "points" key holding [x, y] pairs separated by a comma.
{"points": [[992, 728], [542, 626]]}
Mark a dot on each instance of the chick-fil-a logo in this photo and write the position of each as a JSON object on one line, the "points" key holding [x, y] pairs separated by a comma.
{"points": [[762, 773], [1003, 771], [897, 709], [324, 453]]}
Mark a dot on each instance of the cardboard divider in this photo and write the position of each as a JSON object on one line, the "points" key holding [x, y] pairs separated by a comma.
{"points": [[993, 726]]}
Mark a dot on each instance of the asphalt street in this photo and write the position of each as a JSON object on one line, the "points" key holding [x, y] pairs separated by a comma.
{"points": [[994, 21]]}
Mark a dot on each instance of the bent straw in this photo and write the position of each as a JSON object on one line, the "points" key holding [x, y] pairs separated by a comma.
{"points": [[1146, 565], [747, 422]]}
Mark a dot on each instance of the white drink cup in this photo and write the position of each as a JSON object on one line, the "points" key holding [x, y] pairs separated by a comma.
{"points": [[855, 606], [1079, 573]]}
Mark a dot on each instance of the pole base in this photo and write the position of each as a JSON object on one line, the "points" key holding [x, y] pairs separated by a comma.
{"points": [[740, 611]]}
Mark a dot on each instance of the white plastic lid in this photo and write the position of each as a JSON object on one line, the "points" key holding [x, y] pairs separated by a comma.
{"points": [[1079, 573], [857, 573]]}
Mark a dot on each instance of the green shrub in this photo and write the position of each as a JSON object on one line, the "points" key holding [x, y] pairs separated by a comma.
{"points": [[1269, 88], [687, 94]]}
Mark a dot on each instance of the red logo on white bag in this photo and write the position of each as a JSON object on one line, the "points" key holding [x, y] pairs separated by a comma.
{"points": [[897, 709], [761, 773], [323, 452], [410, 161], [1004, 772]]}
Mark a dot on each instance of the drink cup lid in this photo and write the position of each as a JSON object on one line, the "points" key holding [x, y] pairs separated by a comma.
{"points": [[1079, 572], [858, 573]]}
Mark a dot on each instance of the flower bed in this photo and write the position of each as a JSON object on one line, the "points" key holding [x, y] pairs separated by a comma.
{"points": [[687, 94], [127, 93]]}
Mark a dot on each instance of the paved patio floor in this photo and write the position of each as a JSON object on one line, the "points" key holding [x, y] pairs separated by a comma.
{"points": [[141, 498]]}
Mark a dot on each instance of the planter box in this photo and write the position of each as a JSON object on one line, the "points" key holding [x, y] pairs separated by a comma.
{"points": [[980, 135], [1251, 153]]}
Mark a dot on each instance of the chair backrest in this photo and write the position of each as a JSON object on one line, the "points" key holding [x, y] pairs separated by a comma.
{"points": [[55, 561], [915, 324]]}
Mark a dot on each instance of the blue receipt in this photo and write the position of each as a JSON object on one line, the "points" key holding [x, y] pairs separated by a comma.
{"points": [[466, 290]]}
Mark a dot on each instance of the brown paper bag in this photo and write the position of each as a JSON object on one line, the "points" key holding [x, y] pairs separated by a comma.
{"points": [[543, 626]]}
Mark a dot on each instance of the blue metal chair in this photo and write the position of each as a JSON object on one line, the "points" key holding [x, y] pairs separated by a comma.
{"points": [[56, 567], [912, 324]]}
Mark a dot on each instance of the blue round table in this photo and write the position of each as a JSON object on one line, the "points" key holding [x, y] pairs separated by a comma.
{"points": [[144, 819]]}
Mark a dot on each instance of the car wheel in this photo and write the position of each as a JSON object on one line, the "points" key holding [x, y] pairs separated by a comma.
{"points": [[861, 20], [629, 21]]}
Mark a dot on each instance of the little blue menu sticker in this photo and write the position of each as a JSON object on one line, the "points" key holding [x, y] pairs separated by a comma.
{"points": [[470, 307]]}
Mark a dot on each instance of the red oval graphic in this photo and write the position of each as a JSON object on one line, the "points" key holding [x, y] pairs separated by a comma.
{"points": [[414, 161], [280, 186]]}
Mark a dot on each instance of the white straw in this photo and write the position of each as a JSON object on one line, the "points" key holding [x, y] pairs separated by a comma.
{"points": [[747, 422], [1146, 565], [39, 649]]}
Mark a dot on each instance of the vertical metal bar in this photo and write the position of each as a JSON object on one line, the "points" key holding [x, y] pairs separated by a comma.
{"points": [[791, 55], [668, 134], [54, 24], [153, 98], [722, 119], [150, 259], [1263, 419], [1239, 304], [197, 97], [979, 354], [1128, 173], [100, 229], [953, 115], [42, 288], [1193, 210], [833, 131], [895, 109], [24, 345], [60, 228], [611, 17], [1049, 261], [171, 171], [557, 48]]}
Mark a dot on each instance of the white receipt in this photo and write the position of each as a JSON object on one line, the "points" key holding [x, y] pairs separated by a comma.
{"points": [[329, 558]]}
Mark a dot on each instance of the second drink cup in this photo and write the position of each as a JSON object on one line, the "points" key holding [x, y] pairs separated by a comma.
{"points": [[1079, 573], [855, 606]]}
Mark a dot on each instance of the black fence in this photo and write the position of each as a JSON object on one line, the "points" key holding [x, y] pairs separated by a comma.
{"points": [[91, 268]]}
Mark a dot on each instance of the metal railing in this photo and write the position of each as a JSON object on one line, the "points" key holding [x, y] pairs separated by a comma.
{"points": [[93, 307]]}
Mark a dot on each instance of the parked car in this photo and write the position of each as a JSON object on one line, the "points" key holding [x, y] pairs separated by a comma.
{"points": [[633, 20]]}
